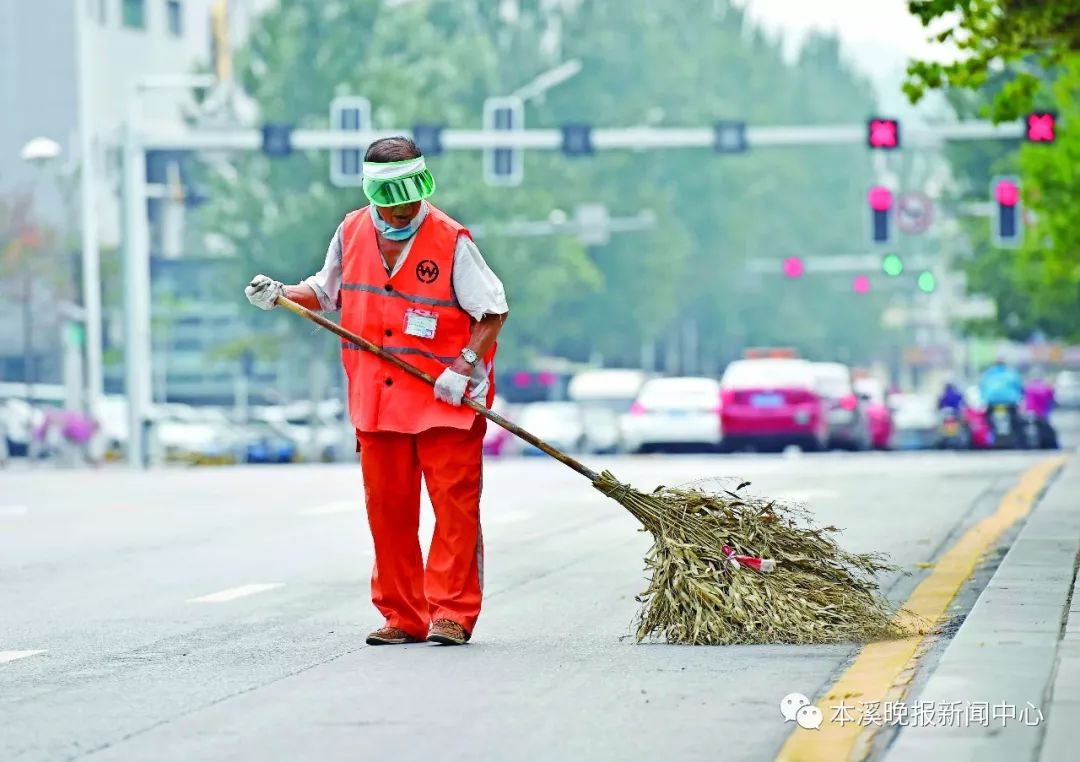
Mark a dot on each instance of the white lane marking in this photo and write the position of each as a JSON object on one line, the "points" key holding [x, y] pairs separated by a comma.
{"points": [[224, 596], [13, 655], [13, 510], [805, 495], [342, 506]]}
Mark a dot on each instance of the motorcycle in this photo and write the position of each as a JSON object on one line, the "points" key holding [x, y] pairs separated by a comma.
{"points": [[1039, 433], [1007, 428], [953, 433]]}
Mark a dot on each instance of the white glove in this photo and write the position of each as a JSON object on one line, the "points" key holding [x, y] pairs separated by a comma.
{"points": [[450, 387], [480, 382], [264, 291]]}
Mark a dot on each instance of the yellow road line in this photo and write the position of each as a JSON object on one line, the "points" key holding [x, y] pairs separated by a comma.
{"points": [[882, 670]]}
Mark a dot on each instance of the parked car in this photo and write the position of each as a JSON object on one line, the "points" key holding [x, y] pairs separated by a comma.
{"points": [[325, 436], [771, 403], [915, 421], [268, 442], [522, 386], [844, 411], [560, 424], [495, 436], [878, 417], [672, 413], [603, 429], [20, 418], [179, 436], [614, 388], [1067, 389]]}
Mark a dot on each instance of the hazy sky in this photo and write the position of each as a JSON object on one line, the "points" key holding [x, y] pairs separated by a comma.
{"points": [[878, 35]]}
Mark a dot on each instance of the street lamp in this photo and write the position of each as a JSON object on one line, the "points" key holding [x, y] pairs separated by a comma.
{"points": [[40, 151], [137, 349], [549, 79]]}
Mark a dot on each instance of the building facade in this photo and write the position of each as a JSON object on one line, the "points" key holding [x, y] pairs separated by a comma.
{"points": [[126, 41]]}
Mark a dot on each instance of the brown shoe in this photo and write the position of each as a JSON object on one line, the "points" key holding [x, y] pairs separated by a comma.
{"points": [[448, 633], [390, 636]]}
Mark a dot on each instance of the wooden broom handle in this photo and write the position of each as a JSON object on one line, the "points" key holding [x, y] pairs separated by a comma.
{"points": [[412, 370]]}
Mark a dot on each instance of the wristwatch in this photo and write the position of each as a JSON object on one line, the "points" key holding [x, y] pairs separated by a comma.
{"points": [[470, 356]]}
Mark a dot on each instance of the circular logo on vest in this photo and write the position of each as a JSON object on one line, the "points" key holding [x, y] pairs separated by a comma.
{"points": [[427, 271]]}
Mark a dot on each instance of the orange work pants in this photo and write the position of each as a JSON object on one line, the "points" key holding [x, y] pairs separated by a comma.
{"points": [[451, 462]]}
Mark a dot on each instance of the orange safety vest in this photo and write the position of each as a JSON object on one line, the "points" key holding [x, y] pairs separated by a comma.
{"points": [[375, 306]]}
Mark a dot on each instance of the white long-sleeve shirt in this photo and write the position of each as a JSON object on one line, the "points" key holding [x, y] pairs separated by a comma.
{"points": [[477, 289]]}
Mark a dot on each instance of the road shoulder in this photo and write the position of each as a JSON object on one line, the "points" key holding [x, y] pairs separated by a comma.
{"points": [[1021, 618]]}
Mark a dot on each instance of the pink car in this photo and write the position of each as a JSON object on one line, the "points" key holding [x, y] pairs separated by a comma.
{"points": [[495, 436], [878, 415], [770, 403]]}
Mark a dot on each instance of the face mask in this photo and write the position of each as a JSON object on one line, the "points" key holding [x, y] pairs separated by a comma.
{"points": [[391, 233]]}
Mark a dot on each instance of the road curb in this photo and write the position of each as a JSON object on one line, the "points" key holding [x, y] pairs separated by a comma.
{"points": [[1007, 649]]}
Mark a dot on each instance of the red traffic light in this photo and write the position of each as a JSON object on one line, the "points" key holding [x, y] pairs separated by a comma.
{"points": [[1041, 127], [794, 267], [880, 198], [1007, 192], [1006, 226], [860, 284], [883, 133]]}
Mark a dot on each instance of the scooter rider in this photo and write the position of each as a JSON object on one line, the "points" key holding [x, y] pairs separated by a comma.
{"points": [[1038, 403], [1001, 385]]}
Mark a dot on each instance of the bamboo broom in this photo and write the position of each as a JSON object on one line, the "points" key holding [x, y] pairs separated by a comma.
{"points": [[698, 593]]}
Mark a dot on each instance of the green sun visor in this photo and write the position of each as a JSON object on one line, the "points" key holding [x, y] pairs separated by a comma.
{"points": [[397, 182]]}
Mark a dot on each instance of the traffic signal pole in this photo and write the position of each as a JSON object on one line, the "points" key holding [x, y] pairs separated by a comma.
{"points": [[615, 138], [138, 140]]}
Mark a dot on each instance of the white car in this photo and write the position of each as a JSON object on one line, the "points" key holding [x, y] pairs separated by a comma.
{"points": [[1067, 389], [614, 388], [915, 421], [674, 413], [560, 424]]}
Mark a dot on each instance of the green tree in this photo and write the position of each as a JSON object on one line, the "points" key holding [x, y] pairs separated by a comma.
{"points": [[1027, 36], [434, 61], [424, 62]]}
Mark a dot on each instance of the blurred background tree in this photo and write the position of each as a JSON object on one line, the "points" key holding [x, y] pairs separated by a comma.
{"points": [[1015, 57], [436, 61]]}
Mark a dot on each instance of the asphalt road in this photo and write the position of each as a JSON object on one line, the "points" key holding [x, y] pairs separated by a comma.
{"points": [[219, 614]]}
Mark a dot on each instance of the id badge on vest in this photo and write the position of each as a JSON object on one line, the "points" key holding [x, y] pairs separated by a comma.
{"points": [[420, 323]]}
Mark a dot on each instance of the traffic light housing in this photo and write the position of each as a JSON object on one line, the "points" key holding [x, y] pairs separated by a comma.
{"points": [[882, 133], [350, 113], [277, 139], [1007, 225], [1040, 127], [880, 201], [504, 166], [577, 139], [428, 138], [729, 137]]}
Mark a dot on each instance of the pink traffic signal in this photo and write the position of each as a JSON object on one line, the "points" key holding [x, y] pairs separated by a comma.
{"points": [[860, 284], [883, 133], [1007, 225], [880, 200], [794, 267], [1041, 127]]}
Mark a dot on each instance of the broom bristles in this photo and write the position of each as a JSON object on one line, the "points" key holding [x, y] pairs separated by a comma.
{"points": [[818, 593]]}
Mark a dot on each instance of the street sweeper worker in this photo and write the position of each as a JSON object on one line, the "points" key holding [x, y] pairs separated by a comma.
{"points": [[409, 278]]}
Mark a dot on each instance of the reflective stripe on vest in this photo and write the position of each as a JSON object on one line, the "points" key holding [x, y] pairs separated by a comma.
{"points": [[381, 290]]}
